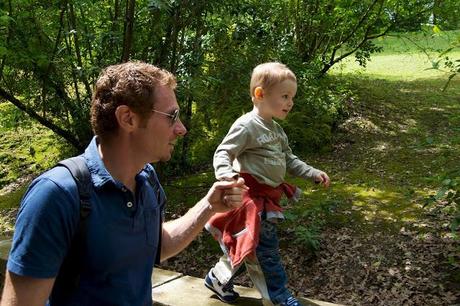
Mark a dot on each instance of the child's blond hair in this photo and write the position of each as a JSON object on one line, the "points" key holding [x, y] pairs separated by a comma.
{"points": [[267, 75]]}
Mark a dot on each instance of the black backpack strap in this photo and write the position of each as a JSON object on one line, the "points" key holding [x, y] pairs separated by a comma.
{"points": [[68, 278], [79, 170]]}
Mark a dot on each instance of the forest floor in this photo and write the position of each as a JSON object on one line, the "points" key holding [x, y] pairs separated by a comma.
{"points": [[378, 243]]}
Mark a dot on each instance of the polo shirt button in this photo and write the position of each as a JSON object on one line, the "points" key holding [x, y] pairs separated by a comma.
{"points": [[123, 189], [129, 204]]}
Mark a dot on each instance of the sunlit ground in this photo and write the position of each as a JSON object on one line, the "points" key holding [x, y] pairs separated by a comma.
{"points": [[407, 66]]}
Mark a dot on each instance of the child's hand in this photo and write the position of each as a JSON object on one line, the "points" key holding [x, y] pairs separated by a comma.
{"points": [[323, 179], [226, 195], [230, 178]]}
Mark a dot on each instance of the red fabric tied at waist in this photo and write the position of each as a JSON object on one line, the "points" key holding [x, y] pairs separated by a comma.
{"points": [[237, 231]]}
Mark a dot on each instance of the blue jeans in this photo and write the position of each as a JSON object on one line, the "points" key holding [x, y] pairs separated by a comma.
{"points": [[270, 261]]}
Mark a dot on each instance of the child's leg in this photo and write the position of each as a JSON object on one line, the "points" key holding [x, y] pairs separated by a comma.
{"points": [[258, 279], [223, 270], [220, 280], [270, 262]]}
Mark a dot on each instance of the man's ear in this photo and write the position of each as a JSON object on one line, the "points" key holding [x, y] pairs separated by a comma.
{"points": [[126, 118], [258, 92]]}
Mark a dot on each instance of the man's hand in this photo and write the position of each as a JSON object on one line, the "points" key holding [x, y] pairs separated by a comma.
{"points": [[226, 195], [323, 179]]}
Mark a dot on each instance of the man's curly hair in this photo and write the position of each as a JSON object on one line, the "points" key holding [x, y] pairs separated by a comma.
{"points": [[132, 84]]}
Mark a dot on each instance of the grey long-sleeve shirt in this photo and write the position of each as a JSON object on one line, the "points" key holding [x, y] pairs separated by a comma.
{"points": [[259, 147]]}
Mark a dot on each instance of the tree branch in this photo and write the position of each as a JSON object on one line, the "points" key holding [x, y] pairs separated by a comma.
{"points": [[28, 110]]}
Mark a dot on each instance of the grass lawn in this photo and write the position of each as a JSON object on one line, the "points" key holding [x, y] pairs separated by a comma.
{"points": [[405, 56]]}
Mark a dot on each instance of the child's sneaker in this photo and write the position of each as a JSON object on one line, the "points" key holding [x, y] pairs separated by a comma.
{"points": [[291, 301], [225, 293]]}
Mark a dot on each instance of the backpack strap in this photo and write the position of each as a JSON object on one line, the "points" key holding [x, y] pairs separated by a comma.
{"points": [[68, 278], [79, 170]]}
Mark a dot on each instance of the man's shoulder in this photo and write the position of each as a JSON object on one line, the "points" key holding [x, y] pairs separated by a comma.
{"points": [[54, 192], [59, 175], [56, 179]]}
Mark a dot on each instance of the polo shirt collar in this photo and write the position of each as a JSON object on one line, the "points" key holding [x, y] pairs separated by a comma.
{"points": [[99, 174]]}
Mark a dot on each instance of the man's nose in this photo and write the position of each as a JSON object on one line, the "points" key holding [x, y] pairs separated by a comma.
{"points": [[179, 128]]}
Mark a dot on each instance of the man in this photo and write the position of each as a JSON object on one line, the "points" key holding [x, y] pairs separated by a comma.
{"points": [[135, 117]]}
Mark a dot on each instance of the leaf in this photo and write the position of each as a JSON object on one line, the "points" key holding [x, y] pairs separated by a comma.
{"points": [[455, 225], [434, 64], [290, 216], [437, 30], [441, 193], [446, 51], [448, 80], [3, 51], [4, 19]]}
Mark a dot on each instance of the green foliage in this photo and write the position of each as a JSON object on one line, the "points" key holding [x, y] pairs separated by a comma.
{"points": [[11, 200], [27, 148], [12, 118], [51, 54], [319, 106], [439, 55], [446, 14], [308, 237], [307, 222], [450, 194]]}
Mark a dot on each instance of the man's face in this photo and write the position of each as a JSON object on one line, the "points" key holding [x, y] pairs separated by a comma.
{"points": [[160, 134]]}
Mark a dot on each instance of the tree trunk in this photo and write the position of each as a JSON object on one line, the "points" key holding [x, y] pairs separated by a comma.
{"points": [[55, 49], [128, 30], [185, 140], [174, 37], [189, 100], [114, 26], [10, 10], [87, 40], [73, 24], [74, 76]]}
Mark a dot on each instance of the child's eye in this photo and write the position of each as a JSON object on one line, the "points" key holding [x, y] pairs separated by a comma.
{"points": [[285, 96]]}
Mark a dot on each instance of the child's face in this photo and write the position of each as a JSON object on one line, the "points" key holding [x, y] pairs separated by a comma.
{"points": [[279, 99]]}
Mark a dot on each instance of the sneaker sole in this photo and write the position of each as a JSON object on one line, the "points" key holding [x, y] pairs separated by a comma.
{"points": [[217, 294]]}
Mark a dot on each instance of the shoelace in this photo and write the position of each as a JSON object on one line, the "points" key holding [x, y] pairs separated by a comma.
{"points": [[228, 287], [291, 301]]}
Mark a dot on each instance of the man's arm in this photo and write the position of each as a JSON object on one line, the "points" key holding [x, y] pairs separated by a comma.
{"points": [[177, 234], [24, 290]]}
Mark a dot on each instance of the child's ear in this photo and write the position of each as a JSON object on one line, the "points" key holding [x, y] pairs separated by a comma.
{"points": [[258, 92]]}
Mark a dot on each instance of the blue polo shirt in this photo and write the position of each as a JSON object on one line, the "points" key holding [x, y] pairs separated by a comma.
{"points": [[122, 239]]}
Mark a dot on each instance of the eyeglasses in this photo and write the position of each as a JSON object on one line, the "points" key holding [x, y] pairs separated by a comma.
{"points": [[174, 115]]}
